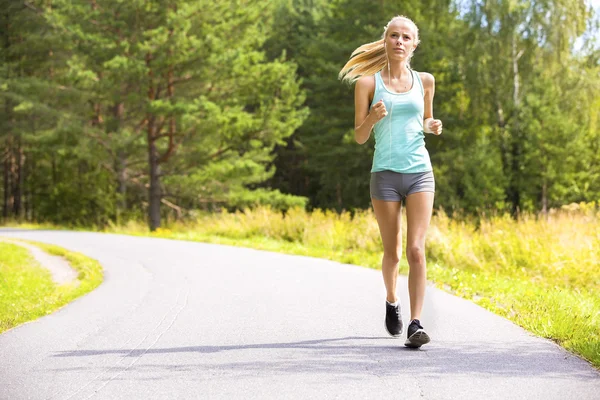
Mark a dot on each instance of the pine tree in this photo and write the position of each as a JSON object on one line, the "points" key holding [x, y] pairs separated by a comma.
{"points": [[186, 83]]}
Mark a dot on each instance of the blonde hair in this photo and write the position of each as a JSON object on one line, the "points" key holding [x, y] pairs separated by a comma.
{"points": [[370, 58]]}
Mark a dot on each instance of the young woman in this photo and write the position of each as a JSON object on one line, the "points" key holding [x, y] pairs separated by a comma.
{"points": [[396, 103]]}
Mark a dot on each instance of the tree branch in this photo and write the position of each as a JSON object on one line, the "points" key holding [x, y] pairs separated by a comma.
{"points": [[31, 7], [221, 151], [175, 207], [103, 27], [186, 78], [161, 125], [102, 142]]}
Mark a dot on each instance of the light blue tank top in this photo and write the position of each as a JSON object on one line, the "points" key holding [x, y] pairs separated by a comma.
{"points": [[399, 136]]}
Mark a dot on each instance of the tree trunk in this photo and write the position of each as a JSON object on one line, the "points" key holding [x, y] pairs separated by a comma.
{"points": [[27, 191], [121, 162], [6, 186], [516, 148], [13, 177], [545, 198], [19, 179], [338, 195], [6, 176], [122, 182], [154, 192]]}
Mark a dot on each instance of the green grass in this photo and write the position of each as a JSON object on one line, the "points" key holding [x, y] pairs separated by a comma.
{"points": [[541, 273], [27, 291]]}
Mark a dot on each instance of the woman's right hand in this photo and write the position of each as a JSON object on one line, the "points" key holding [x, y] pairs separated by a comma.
{"points": [[378, 111]]}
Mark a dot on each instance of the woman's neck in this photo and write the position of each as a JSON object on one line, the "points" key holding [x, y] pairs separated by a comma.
{"points": [[397, 70]]}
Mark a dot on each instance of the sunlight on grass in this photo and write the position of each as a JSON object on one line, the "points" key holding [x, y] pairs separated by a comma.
{"points": [[27, 291], [541, 273]]}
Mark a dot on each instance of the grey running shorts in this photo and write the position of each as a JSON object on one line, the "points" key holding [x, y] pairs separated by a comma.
{"points": [[394, 186]]}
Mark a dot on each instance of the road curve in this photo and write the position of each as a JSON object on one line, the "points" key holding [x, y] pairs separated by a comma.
{"points": [[185, 320]]}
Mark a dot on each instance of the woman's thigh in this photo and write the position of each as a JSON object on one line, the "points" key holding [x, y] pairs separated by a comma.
{"points": [[419, 207], [389, 219]]}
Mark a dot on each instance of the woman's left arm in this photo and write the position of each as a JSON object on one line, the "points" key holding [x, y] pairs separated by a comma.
{"points": [[430, 125]]}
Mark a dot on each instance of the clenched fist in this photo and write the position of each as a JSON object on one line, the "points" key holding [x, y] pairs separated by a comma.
{"points": [[378, 111], [435, 126]]}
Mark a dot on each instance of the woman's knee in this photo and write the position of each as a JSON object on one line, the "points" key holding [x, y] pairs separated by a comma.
{"points": [[392, 256], [415, 253]]}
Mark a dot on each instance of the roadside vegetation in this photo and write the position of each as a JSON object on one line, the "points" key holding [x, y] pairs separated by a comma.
{"points": [[540, 272], [27, 290]]}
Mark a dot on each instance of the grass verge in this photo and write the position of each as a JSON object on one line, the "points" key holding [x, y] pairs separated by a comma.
{"points": [[540, 273], [27, 290]]}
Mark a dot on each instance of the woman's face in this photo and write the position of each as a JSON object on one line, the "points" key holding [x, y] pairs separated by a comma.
{"points": [[400, 40]]}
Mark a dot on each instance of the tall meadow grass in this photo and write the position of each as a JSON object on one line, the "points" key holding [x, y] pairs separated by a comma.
{"points": [[541, 272]]}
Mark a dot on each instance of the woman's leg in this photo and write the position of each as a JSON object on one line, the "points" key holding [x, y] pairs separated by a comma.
{"points": [[389, 216], [419, 207]]}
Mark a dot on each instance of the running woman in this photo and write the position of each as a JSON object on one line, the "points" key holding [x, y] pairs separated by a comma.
{"points": [[396, 103]]}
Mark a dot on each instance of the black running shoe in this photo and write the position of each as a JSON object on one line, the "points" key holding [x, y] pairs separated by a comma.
{"points": [[416, 336], [393, 319]]}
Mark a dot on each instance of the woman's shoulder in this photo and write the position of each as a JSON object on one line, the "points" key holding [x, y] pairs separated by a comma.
{"points": [[365, 85], [427, 79], [366, 82]]}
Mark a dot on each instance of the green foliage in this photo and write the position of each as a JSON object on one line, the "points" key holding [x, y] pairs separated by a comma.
{"points": [[540, 273], [224, 97], [526, 83], [27, 291], [265, 198], [185, 83], [488, 155]]}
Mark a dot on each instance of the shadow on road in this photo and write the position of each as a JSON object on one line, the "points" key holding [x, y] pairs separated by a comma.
{"points": [[355, 355]]}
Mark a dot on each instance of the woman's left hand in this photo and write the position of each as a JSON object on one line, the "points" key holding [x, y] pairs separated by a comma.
{"points": [[435, 126]]}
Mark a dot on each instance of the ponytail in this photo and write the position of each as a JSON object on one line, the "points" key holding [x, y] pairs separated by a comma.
{"points": [[368, 59]]}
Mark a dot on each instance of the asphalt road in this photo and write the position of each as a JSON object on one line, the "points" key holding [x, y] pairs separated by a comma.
{"points": [[184, 320]]}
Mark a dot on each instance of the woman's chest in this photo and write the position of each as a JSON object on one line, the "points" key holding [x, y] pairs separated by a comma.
{"points": [[403, 104]]}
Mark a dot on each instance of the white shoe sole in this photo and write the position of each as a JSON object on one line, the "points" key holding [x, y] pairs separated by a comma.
{"points": [[417, 339]]}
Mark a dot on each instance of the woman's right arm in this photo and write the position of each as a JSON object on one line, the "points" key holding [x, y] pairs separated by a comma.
{"points": [[363, 119]]}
